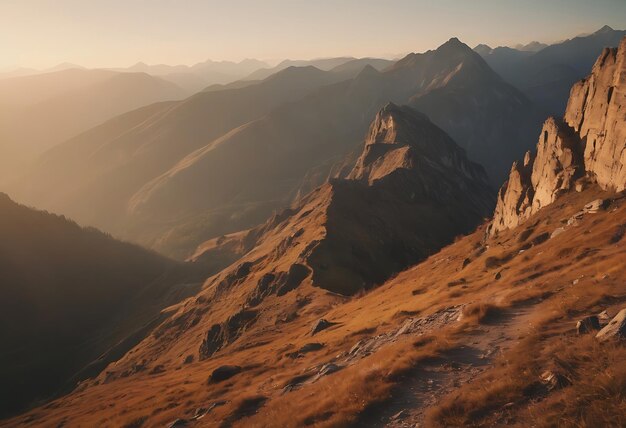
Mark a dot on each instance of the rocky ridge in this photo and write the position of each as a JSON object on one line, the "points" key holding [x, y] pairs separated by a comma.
{"points": [[589, 144], [411, 192]]}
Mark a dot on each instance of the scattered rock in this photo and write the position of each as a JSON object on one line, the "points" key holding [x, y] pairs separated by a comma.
{"points": [[604, 316], [157, 369], [327, 369], [595, 206], [320, 325], [310, 347], [466, 262], [557, 232], [457, 282], [202, 412], [498, 275], [397, 416], [615, 328], [178, 423], [554, 380], [588, 324], [620, 231], [224, 372], [541, 238]]}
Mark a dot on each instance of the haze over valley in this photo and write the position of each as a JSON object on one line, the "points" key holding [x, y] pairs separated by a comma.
{"points": [[334, 216]]}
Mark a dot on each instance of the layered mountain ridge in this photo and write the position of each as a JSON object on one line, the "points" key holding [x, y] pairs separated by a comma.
{"points": [[174, 175], [546, 75], [588, 144]]}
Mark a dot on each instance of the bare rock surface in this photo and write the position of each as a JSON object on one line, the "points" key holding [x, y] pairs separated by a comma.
{"points": [[591, 141], [615, 328]]}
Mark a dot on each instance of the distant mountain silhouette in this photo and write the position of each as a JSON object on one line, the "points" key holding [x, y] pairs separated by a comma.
{"points": [[198, 76], [547, 75], [174, 175], [39, 111], [325, 64]]}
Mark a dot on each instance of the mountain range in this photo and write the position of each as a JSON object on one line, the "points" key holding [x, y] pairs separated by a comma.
{"points": [[165, 175], [40, 111], [382, 294], [545, 76]]}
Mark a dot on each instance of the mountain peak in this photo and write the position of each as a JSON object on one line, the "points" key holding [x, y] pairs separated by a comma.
{"points": [[454, 43], [402, 138], [368, 71], [605, 29], [483, 49]]}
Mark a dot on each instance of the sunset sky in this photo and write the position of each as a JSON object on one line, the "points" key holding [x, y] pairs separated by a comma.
{"points": [[43, 33]]}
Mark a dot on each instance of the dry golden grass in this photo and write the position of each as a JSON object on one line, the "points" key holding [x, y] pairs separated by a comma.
{"points": [[482, 313], [552, 283], [338, 400]]}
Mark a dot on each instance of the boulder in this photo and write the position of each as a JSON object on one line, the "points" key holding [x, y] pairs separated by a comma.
{"points": [[224, 372], [588, 324], [310, 347], [553, 380], [320, 325], [615, 328], [178, 423], [327, 369]]}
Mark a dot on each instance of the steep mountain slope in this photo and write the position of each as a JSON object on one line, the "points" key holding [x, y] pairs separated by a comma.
{"points": [[153, 140], [547, 75], [402, 200], [43, 110], [412, 191], [588, 145], [215, 164], [67, 295], [462, 338], [315, 134]]}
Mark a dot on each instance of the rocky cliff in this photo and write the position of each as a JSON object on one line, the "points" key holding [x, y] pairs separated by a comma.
{"points": [[589, 143]]}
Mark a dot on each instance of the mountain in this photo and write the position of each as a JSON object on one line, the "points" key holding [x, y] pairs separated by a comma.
{"points": [[70, 296], [586, 146], [222, 161], [531, 47], [325, 64], [411, 191], [133, 148], [547, 75], [40, 111], [352, 68], [198, 76], [481, 332]]}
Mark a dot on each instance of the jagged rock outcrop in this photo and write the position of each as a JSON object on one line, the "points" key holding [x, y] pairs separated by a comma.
{"points": [[590, 141], [597, 111]]}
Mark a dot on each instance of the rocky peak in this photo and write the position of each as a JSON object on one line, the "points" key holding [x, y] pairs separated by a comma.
{"points": [[597, 111], [403, 139], [411, 192], [591, 141]]}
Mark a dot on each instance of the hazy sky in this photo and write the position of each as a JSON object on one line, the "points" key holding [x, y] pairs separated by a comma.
{"points": [[42, 33]]}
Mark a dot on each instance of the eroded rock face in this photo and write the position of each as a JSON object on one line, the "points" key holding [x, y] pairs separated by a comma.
{"points": [[597, 111], [591, 141]]}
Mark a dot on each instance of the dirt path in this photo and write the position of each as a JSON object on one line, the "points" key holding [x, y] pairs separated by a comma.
{"points": [[425, 385]]}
